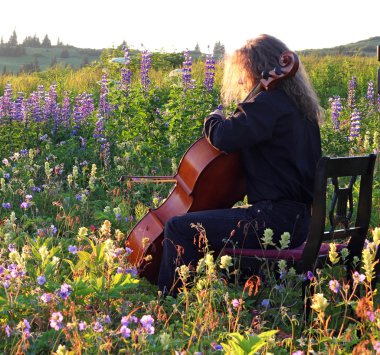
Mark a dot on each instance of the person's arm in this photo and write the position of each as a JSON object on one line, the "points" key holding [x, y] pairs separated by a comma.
{"points": [[251, 123]]}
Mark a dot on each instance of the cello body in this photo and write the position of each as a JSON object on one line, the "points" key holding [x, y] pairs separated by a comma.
{"points": [[206, 179]]}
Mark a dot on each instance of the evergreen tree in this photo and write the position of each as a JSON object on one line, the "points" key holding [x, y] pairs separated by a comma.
{"points": [[46, 43], [219, 50], [36, 41], [13, 39]]}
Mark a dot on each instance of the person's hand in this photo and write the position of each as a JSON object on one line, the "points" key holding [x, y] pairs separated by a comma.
{"points": [[218, 112]]}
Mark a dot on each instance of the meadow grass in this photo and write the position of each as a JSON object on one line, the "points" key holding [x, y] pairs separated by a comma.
{"points": [[67, 285]]}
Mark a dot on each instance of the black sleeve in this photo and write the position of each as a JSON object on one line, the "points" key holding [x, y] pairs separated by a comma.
{"points": [[252, 123]]}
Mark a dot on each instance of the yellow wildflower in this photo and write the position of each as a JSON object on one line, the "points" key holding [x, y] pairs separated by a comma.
{"points": [[319, 303]]}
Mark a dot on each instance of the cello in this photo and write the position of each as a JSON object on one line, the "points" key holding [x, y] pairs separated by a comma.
{"points": [[206, 179]]}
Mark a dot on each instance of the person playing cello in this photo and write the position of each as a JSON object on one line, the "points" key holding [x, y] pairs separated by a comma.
{"points": [[277, 134]]}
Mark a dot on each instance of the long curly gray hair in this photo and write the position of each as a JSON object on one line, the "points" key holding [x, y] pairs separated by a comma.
{"points": [[242, 71]]}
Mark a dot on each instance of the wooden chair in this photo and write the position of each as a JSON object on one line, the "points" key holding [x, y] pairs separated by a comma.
{"points": [[338, 219]]}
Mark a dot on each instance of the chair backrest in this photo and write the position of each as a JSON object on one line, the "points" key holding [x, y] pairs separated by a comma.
{"points": [[329, 173]]}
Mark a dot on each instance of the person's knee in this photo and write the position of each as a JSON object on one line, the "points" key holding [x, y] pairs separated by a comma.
{"points": [[173, 228]]}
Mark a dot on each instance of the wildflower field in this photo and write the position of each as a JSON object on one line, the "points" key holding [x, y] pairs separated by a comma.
{"points": [[66, 284]]}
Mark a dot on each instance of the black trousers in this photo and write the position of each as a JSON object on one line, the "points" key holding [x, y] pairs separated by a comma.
{"points": [[243, 226]]}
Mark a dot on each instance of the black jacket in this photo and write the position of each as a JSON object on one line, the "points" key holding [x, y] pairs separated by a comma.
{"points": [[280, 148]]}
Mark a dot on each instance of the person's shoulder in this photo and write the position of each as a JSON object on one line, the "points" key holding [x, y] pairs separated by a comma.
{"points": [[276, 99], [270, 95]]}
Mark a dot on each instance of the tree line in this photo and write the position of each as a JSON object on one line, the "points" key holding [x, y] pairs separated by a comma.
{"points": [[13, 48]]}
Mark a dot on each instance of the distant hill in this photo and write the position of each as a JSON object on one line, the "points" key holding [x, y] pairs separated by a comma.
{"points": [[366, 48], [30, 58]]}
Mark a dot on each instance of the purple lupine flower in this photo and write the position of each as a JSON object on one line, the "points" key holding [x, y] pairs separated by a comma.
{"points": [[41, 280], [38, 101], [6, 205], [99, 127], [370, 95], [65, 291], [87, 105], [105, 154], [336, 108], [128, 251], [187, 82], [65, 110], [309, 275], [46, 297], [104, 107], [51, 109], [210, 72], [125, 331], [126, 73], [20, 112], [144, 70], [77, 114], [44, 137], [334, 286], [351, 93], [34, 106], [355, 124], [56, 320], [6, 104]]}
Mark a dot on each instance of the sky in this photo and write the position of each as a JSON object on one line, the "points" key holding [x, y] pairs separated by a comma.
{"points": [[176, 25]]}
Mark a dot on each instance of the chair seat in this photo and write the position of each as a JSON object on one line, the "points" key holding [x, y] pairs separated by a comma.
{"points": [[294, 254]]}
